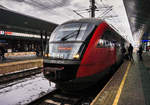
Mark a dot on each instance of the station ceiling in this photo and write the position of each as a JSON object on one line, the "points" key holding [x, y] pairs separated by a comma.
{"points": [[13, 21], [138, 12]]}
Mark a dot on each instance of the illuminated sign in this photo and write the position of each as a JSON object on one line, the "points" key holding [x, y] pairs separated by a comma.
{"points": [[145, 40], [64, 48], [21, 34], [8, 33], [5, 33]]}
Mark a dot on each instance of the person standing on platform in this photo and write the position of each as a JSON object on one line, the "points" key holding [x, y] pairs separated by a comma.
{"points": [[130, 52], [2, 53], [140, 52], [123, 51]]}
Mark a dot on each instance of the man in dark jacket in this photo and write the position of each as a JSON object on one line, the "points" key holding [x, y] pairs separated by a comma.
{"points": [[140, 52], [130, 51]]}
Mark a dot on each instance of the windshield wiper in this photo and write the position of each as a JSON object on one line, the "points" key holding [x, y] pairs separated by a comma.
{"points": [[70, 35]]}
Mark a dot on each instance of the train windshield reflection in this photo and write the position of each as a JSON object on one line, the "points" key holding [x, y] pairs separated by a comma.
{"points": [[69, 32]]}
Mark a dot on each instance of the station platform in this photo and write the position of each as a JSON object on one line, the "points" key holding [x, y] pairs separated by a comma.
{"points": [[19, 56], [15, 63], [130, 85]]}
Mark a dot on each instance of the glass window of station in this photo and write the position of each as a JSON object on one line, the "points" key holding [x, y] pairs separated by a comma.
{"points": [[19, 42]]}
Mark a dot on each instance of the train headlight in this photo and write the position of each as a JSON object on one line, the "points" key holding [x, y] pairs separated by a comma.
{"points": [[76, 56], [47, 55]]}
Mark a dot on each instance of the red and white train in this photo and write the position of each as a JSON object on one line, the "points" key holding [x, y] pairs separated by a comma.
{"points": [[81, 52]]}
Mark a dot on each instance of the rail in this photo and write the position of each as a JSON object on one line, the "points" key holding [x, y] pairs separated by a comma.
{"points": [[19, 74]]}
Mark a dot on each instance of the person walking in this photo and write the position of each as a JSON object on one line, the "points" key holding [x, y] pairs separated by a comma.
{"points": [[130, 52], [140, 52]]}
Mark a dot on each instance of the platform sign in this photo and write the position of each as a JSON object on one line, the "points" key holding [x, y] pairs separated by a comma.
{"points": [[20, 34]]}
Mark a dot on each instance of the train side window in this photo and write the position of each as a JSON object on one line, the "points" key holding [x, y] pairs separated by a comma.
{"points": [[104, 41], [109, 39], [100, 43]]}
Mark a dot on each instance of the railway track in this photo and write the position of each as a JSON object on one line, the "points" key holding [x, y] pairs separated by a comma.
{"points": [[85, 97], [46, 95], [25, 90], [37, 91], [58, 97], [19, 74]]}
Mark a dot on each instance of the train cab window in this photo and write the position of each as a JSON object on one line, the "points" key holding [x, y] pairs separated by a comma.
{"points": [[71, 32]]}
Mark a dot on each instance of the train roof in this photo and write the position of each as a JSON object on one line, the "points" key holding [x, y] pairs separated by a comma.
{"points": [[95, 21]]}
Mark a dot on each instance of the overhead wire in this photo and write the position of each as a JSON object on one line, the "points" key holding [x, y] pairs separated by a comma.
{"points": [[78, 12], [61, 4], [107, 9]]}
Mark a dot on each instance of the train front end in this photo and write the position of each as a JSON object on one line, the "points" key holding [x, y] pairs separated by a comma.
{"points": [[65, 50]]}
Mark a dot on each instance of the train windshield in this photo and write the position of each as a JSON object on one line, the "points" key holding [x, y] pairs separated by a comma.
{"points": [[70, 32], [67, 41]]}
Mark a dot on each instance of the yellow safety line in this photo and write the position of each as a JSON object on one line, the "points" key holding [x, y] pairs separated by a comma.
{"points": [[96, 98], [121, 86]]}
